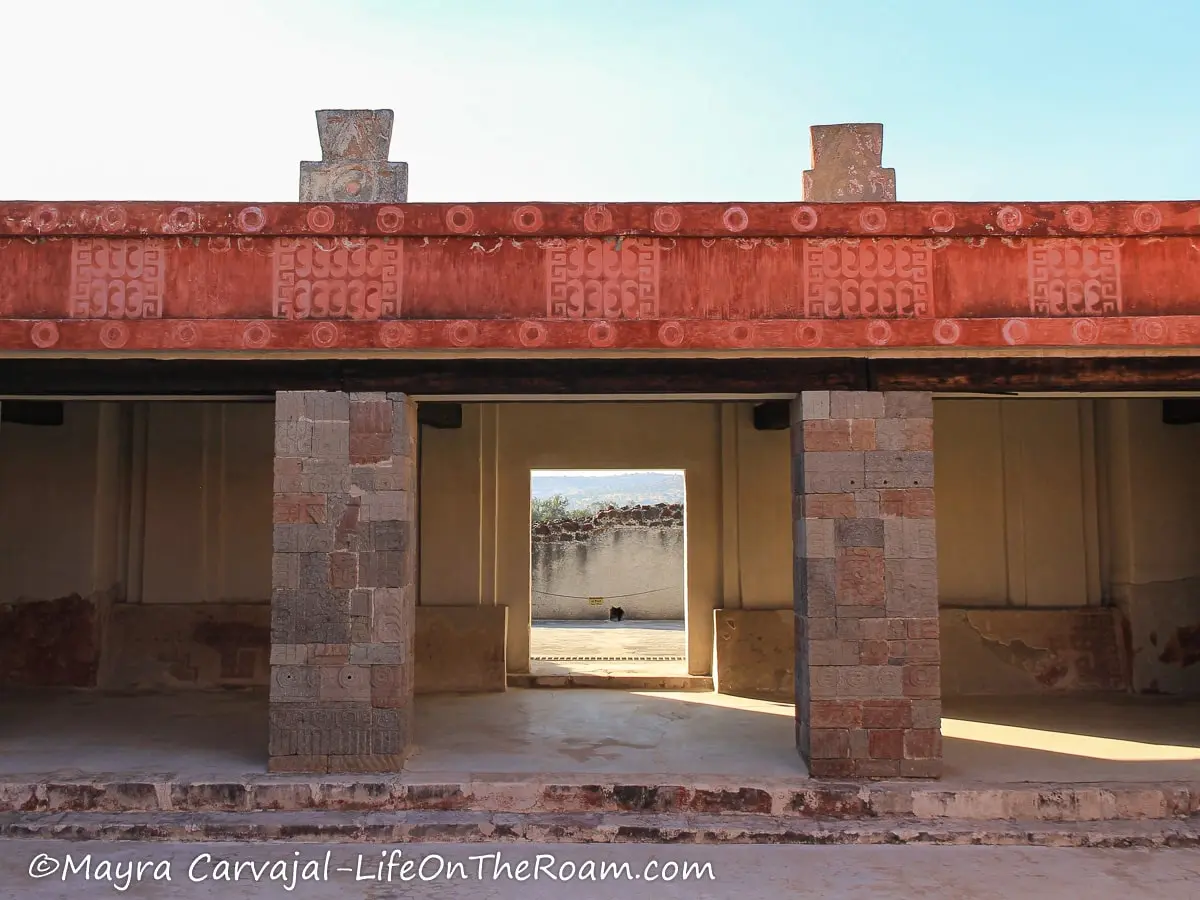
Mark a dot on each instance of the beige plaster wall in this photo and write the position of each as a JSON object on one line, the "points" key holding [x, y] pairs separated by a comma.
{"points": [[641, 570], [61, 510], [1017, 503], [1152, 479]]}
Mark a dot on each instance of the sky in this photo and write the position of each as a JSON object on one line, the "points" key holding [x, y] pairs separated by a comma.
{"points": [[620, 100]]}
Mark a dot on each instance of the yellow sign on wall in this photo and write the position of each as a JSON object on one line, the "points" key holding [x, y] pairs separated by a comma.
{"points": [[595, 601]]}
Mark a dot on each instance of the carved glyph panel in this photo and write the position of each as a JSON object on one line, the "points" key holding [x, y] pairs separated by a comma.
{"points": [[1075, 277], [593, 278], [337, 278], [117, 279], [886, 278]]}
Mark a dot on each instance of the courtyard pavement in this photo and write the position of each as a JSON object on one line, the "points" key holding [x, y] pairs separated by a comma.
{"points": [[630, 647]]}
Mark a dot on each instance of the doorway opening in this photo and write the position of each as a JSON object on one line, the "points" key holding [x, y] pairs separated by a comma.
{"points": [[608, 565]]}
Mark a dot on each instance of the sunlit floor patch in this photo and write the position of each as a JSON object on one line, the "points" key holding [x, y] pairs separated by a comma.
{"points": [[1086, 745]]}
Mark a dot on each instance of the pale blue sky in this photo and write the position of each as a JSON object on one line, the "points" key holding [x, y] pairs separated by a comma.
{"points": [[615, 100]]}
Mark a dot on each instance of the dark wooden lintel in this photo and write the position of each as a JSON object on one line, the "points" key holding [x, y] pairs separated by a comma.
{"points": [[34, 377]]}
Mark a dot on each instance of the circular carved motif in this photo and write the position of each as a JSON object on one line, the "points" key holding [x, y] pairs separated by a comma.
{"points": [[1079, 218], [1015, 331], [390, 219], [808, 334], [1085, 331], [44, 335], [320, 218], [597, 218], [741, 334], [667, 219], [946, 331], [324, 334], [256, 335], [462, 334], [185, 334], [252, 219], [352, 182], [527, 218], [804, 218], [601, 334], [1147, 218], [1009, 218], [114, 335], [1152, 331], [44, 218], [872, 219], [460, 219], [735, 219], [941, 219], [532, 334], [671, 334], [181, 220], [394, 334], [879, 332], [112, 218]]}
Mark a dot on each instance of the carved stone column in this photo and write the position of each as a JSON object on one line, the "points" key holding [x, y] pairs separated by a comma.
{"points": [[343, 583], [868, 653]]}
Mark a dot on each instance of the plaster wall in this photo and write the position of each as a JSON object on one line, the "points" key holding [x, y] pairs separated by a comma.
{"points": [[1153, 548], [638, 569], [1017, 503]]}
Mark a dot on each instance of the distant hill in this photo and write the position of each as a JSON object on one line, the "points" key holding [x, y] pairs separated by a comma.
{"points": [[582, 491]]}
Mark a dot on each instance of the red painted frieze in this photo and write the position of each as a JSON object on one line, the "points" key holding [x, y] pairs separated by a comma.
{"points": [[1126, 218], [166, 278]]}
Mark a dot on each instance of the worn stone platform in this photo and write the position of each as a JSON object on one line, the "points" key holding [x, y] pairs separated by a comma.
{"points": [[596, 765], [793, 799], [491, 828]]}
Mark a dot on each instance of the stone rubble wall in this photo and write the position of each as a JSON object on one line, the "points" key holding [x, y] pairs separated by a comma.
{"points": [[568, 530]]}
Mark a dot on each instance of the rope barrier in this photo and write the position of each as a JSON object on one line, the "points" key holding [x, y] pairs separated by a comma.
{"points": [[605, 597]]}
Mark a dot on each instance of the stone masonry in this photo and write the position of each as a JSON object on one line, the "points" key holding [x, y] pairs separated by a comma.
{"points": [[847, 166], [868, 680], [343, 592], [354, 165]]}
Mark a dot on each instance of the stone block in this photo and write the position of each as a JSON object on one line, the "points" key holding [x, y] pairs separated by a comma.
{"points": [[326, 406], [911, 586], [856, 405], [294, 683], [345, 684], [175, 646], [859, 532], [908, 405], [479, 636], [816, 537], [846, 166], [909, 539]]}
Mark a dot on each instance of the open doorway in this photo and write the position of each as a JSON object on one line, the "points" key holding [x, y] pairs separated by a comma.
{"points": [[608, 564]]}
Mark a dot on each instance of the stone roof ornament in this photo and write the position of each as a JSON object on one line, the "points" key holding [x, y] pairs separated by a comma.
{"points": [[354, 166], [847, 165]]}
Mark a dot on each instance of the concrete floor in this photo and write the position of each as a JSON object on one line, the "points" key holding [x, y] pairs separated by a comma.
{"points": [[522, 732], [608, 648], [744, 872]]}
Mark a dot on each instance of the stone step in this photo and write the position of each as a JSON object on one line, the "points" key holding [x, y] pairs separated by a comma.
{"points": [[473, 827], [613, 682], [607, 794]]}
